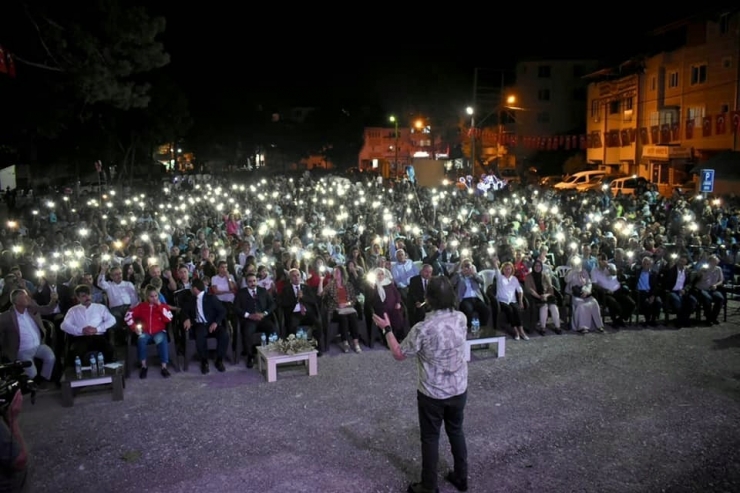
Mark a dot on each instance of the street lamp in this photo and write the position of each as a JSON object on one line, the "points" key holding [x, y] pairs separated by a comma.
{"points": [[394, 120], [470, 111]]}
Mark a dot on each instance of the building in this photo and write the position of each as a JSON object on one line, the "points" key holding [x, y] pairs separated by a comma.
{"points": [[612, 118], [664, 114], [549, 99], [381, 148]]}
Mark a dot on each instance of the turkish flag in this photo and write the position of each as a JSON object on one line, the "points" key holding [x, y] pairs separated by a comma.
{"points": [[689, 129], [675, 131], [644, 140], [584, 142], [706, 126], [665, 133], [735, 118], [655, 134], [721, 125], [11, 65], [3, 66]]}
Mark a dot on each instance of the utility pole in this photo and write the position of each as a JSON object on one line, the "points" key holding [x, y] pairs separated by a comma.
{"points": [[395, 147], [472, 120]]}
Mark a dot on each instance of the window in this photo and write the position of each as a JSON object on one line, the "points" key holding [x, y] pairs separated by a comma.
{"points": [[543, 71], [699, 74], [695, 114], [725, 108], [627, 102], [653, 83], [579, 70], [614, 107], [727, 62], [543, 117], [724, 23], [673, 79], [595, 108], [654, 118], [543, 94]]}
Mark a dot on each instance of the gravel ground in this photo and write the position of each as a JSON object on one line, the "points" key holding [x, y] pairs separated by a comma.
{"points": [[634, 410]]}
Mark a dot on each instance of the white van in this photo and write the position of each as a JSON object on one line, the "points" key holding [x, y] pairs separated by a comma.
{"points": [[627, 185], [576, 179]]}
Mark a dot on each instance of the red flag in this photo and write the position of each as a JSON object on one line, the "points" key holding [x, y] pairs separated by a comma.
{"points": [[689, 129], [721, 123], [644, 140], [625, 135], [11, 65], [735, 118], [706, 126], [675, 131], [3, 66], [655, 134], [583, 142], [665, 133], [98, 166]]}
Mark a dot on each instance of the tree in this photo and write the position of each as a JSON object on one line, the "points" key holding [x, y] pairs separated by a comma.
{"points": [[575, 164], [76, 63]]}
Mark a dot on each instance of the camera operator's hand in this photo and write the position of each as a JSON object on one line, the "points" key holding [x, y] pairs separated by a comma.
{"points": [[11, 415]]}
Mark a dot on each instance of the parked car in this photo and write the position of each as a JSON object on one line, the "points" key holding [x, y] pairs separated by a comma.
{"points": [[580, 178], [599, 183]]}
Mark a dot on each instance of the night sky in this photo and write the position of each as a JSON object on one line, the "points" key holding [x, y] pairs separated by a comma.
{"points": [[312, 58]]}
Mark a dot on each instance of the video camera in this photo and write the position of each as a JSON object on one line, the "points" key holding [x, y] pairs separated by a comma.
{"points": [[13, 379]]}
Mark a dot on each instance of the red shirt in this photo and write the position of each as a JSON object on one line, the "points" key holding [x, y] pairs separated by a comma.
{"points": [[152, 318]]}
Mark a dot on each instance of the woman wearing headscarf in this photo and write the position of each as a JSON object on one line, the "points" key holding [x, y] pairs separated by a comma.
{"points": [[586, 311], [539, 289], [387, 299]]}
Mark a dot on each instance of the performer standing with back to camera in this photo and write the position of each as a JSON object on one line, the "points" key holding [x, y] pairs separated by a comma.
{"points": [[439, 345]]}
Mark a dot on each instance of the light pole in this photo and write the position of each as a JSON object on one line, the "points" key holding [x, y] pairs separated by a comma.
{"points": [[394, 120], [470, 111]]}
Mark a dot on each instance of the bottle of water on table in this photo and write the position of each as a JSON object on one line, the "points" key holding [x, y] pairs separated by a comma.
{"points": [[101, 364], [78, 367], [475, 325], [263, 338], [93, 366]]}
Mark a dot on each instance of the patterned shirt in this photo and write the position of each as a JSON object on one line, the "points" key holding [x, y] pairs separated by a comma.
{"points": [[439, 345]]}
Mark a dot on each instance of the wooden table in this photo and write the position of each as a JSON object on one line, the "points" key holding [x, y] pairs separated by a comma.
{"points": [[269, 360], [485, 337], [112, 377]]}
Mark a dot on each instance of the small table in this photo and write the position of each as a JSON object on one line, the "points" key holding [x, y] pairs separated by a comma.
{"points": [[273, 358], [113, 377], [485, 336]]}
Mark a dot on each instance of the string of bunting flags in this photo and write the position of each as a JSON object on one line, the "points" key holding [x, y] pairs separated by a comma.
{"points": [[666, 133], [7, 63]]}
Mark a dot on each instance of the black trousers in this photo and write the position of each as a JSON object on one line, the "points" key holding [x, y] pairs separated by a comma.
{"points": [[82, 345], [201, 340], [651, 311], [475, 306], [248, 328], [432, 413], [295, 320], [619, 303], [512, 313]]}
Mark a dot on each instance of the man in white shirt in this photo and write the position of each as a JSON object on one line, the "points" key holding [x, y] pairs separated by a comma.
{"points": [[122, 295], [88, 323], [609, 291], [403, 270]]}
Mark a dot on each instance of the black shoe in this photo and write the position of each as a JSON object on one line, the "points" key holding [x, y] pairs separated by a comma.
{"points": [[419, 488], [460, 484], [220, 366], [204, 368], [142, 372], [42, 385], [250, 362], [165, 373], [318, 353]]}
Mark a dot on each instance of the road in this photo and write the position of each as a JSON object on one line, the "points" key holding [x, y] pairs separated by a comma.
{"points": [[634, 410]]}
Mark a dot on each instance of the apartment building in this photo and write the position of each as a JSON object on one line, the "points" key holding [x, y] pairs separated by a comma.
{"points": [[381, 149], [551, 98], [660, 116]]}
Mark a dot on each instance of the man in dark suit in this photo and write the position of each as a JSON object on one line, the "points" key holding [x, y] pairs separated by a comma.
{"points": [[300, 306], [417, 294], [22, 335], [205, 315], [649, 301], [678, 282], [254, 307]]}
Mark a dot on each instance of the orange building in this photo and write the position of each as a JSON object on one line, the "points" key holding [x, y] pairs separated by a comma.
{"points": [[381, 148]]}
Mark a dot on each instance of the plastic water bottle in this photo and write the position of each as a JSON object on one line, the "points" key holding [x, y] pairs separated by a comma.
{"points": [[101, 365], [263, 338], [475, 325], [301, 333], [93, 366], [78, 367], [273, 338]]}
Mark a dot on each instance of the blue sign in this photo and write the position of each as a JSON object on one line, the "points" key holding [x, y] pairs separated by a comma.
{"points": [[707, 181]]}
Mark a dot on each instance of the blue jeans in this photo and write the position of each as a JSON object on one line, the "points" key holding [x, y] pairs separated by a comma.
{"points": [[711, 303], [160, 339]]}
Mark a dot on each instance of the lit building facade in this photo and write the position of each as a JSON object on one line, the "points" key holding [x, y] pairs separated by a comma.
{"points": [[676, 109], [381, 148]]}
